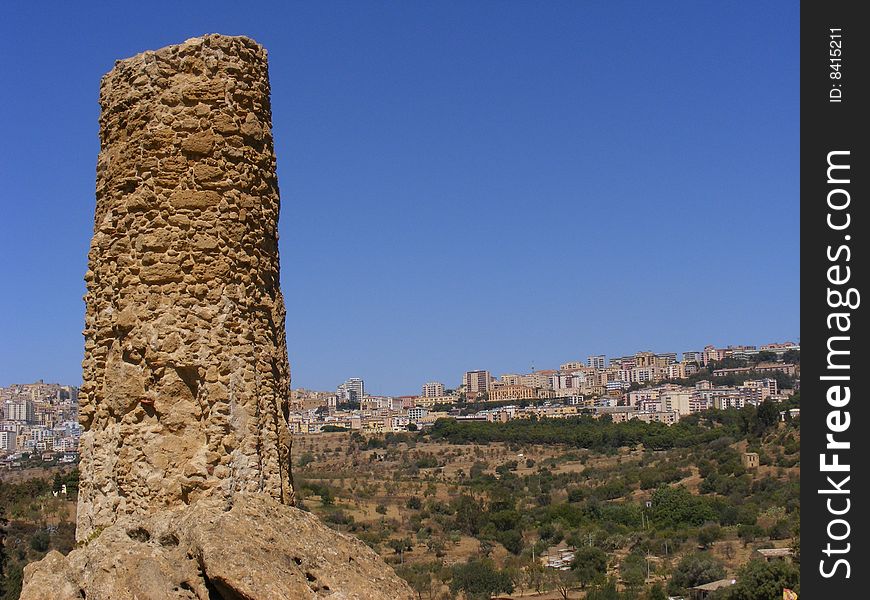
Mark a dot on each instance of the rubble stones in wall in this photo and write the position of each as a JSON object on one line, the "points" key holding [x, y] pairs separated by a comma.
{"points": [[186, 380]]}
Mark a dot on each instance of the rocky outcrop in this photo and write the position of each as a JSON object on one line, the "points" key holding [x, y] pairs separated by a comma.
{"points": [[256, 548], [186, 380]]}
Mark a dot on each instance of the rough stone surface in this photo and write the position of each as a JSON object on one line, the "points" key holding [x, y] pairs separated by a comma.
{"points": [[257, 549], [186, 490], [186, 381]]}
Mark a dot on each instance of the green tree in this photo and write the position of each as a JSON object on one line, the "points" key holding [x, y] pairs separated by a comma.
{"points": [[709, 534], [590, 563], [764, 356], [656, 593], [760, 580], [796, 545], [468, 514], [767, 415], [419, 577], [14, 577], [792, 357], [400, 546], [605, 591], [40, 540], [479, 580], [536, 575], [306, 459], [676, 507], [511, 539], [695, 569], [564, 581], [633, 571]]}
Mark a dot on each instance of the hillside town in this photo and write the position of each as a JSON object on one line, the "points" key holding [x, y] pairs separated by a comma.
{"points": [[42, 418], [39, 418], [646, 386]]}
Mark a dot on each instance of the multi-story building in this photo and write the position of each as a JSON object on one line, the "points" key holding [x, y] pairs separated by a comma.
{"points": [[417, 413], [565, 381], [352, 390], [693, 356], [537, 379], [647, 374], [741, 352], [476, 383], [637, 397], [614, 387], [644, 359], [514, 392], [510, 379], [759, 390], [666, 358], [725, 401], [623, 362], [433, 389], [20, 410], [7, 441], [399, 423], [676, 400], [431, 401], [781, 348], [571, 366], [786, 368], [713, 354], [661, 416], [597, 361], [676, 371], [377, 402]]}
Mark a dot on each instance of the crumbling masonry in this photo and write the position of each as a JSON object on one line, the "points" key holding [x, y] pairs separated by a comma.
{"points": [[186, 380]]}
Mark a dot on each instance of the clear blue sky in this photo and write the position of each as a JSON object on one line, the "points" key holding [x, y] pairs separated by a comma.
{"points": [[464, 184]]}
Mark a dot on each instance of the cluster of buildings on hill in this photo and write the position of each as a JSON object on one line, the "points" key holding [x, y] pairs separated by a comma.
{"points": [[39, 418], [628, 387], [43, 417], [599, 376]]}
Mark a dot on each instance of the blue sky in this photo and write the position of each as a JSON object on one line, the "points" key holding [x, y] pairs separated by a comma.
{"points": [[464, 184]]}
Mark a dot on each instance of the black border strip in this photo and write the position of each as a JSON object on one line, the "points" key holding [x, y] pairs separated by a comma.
{"points": [[833, 129]]}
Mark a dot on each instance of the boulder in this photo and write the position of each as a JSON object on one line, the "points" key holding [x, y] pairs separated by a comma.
{"points": [[254, 548]]}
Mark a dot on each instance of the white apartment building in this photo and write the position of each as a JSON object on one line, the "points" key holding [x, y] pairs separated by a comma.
{"points": [[352, 390], [417, 413], [20, 410], [676, 400], [597, 361], [7, 441]]}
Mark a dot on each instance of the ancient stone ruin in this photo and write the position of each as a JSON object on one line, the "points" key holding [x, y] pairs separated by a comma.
{"points": [[186, 489], [186, 383]]}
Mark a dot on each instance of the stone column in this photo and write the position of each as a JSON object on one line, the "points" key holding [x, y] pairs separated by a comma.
{"points": [[186, 380]]}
